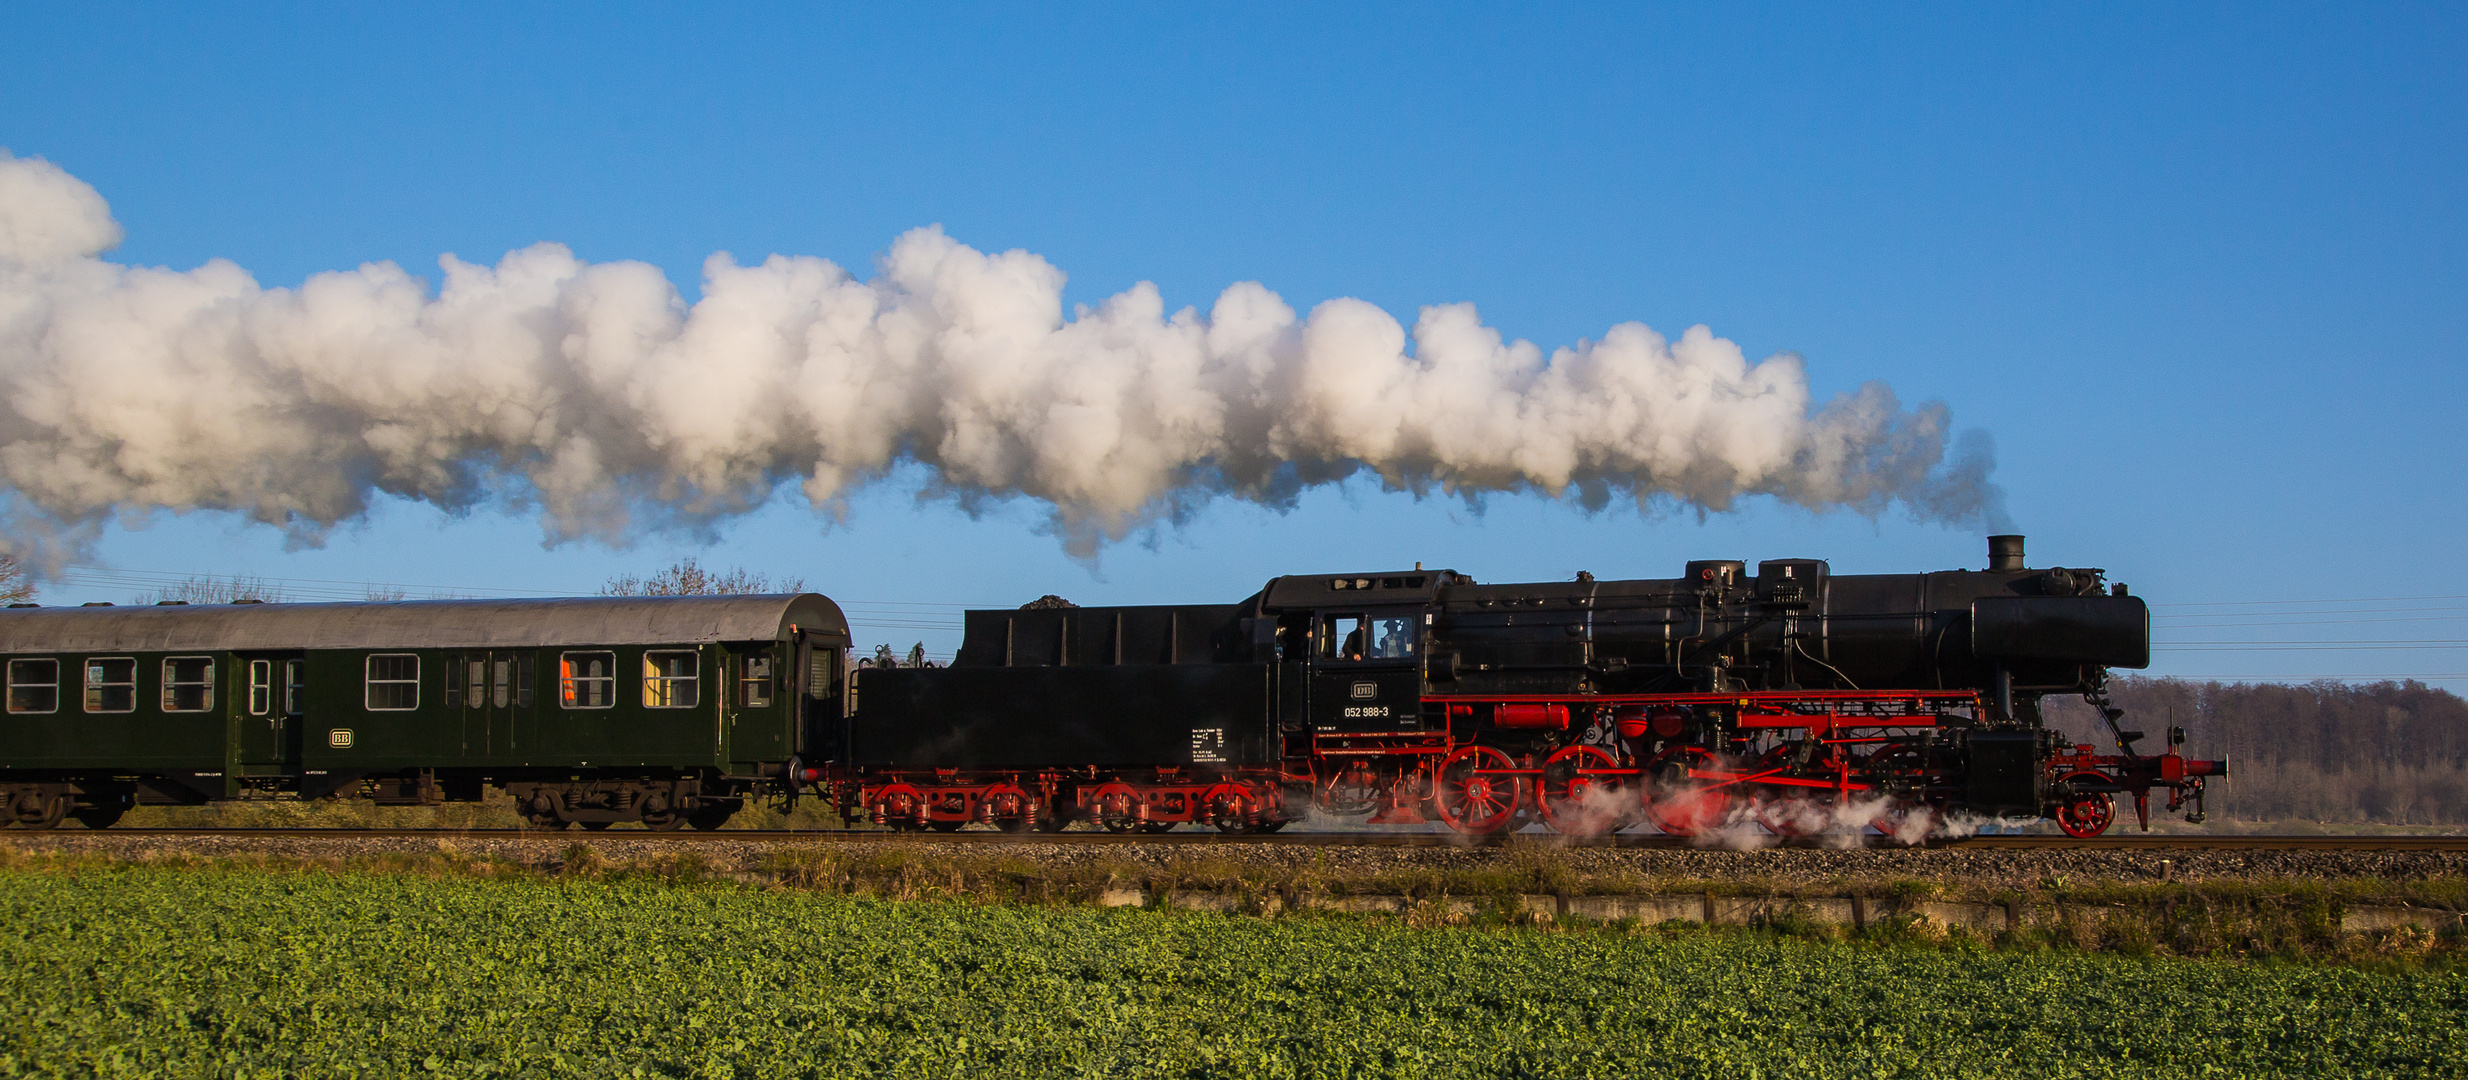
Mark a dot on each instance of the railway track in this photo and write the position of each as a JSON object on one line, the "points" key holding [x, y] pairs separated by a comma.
{"points": [[2129, 841]]}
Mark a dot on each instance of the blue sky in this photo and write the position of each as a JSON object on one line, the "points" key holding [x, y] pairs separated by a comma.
{"points": [[2197, 269]]}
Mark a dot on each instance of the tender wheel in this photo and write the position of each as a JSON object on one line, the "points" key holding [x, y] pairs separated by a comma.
{"points": [[1156, 826], [1230, 807], [896, 806], [1010, 808], [1477, 795], [945, 826], [1576, 802], [1116, 807], [2089, 813]]}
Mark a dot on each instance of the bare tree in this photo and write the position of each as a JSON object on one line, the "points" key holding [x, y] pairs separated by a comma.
{"points": [[14, 585], [686, 577], [208, 589]]}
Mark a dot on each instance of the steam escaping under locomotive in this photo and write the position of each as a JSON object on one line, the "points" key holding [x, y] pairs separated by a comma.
{"points": [[1793, 699], [1789, 701]]}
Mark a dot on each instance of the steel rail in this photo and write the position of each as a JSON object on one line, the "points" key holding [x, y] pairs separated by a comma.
{"points": [[1195, 838]]}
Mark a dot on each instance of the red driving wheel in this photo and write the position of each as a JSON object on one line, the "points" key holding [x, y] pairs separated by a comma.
{"points": [[2089, 813], [1692, 813], [1477, 794], [1574, 799], [1676, 803]]}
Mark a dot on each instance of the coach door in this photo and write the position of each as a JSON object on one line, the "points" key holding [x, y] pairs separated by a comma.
{"points": [[1366, 670], [268, 697], [489, 692], [822, 713]]}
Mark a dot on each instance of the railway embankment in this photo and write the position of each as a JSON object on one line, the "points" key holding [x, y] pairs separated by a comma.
{"points": [[2187, 900]]}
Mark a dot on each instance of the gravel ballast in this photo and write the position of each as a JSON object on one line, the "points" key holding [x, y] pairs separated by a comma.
{"points": [[1970, 869]]}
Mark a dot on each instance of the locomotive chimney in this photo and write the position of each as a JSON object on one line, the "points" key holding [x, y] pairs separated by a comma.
{"points": [[2005, 553]]}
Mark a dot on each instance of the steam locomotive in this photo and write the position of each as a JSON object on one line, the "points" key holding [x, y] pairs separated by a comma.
{"points": [[1793, 700], [1787, 701]]}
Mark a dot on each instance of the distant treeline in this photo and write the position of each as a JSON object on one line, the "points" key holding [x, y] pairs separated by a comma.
{"points": [[2391, 753]]}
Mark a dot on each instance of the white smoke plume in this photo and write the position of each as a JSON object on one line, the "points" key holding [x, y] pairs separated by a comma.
{"points": [[594, 394]]}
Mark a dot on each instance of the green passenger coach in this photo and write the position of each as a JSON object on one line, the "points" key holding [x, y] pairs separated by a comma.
{"points": [[667, 711]]}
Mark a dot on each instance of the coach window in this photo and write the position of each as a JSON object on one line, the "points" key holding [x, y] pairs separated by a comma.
{"points": [[669, 680], [295, 686], [261, 687], [111, 684], [392, 682], [188, 684], [34, 686], [522, 681], [755, 677], [587, 680]]}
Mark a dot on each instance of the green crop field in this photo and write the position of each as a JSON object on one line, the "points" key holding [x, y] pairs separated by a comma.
{"points": [[124, 970]]}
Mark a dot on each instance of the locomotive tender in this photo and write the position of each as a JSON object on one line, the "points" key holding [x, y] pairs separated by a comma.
{"points": [[1792, 700]]}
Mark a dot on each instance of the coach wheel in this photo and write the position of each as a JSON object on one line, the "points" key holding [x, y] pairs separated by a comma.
{"points": [[597, 826], [2089, 813], [37, 809], [546, 820], [1575, 800], [1116, 807], [1477, 795], [712, 815]]}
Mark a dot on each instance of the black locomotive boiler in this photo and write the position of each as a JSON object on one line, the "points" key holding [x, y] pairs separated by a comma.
{"points": [[1792, 699]]}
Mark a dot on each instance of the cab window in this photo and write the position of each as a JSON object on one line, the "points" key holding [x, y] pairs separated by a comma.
{"points": [[1367, 637]]}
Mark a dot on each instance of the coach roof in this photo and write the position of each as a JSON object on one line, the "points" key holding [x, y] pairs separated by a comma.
{"points": [[421, 624]]}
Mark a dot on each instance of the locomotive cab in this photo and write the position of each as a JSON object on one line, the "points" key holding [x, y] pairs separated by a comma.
{"points": [[1366, 670]]}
